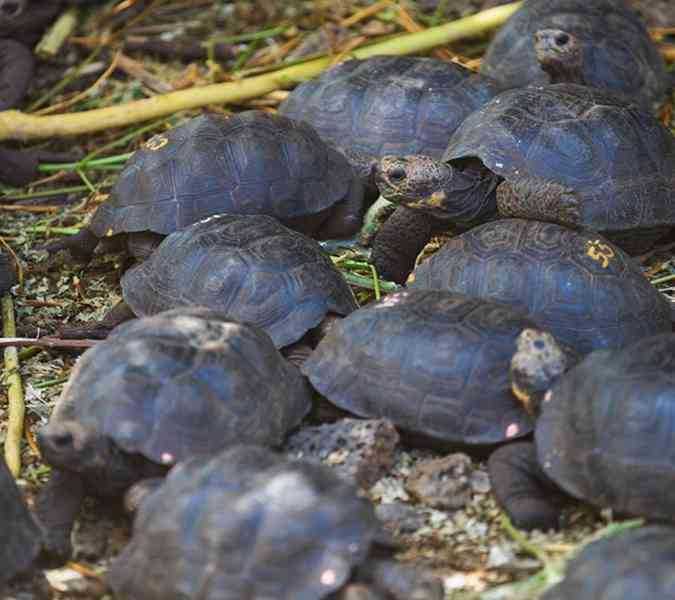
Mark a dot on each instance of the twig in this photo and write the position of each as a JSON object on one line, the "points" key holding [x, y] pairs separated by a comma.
{"points": [[46, 342], [84, 94], [136, 70], [17, 125], [16, 407], [57, 34]]}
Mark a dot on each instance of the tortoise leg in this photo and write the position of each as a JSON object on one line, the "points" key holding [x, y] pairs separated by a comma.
{"points": [[532, 198], [345, 218], [57, 506], [399, 241], [522, 489], [80, 246], [98, 331]]}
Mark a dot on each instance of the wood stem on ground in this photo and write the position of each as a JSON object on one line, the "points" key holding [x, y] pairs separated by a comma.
{"points": [[46, 342], [15, 399], [17, 125], [57, 34]]}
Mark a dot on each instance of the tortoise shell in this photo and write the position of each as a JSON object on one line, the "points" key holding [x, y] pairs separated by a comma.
{"points": [[606, 429], [251, 268], [289, 531], [618, 53], [183, 383], [635, 564], [431, 361], [617, 161], [19, 534], [586, 291], [249, 163], [390, 104]]}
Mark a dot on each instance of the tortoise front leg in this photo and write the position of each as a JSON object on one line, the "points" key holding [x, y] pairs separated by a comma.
{"points": [[522, 489], [399, 241], [57, 507]]}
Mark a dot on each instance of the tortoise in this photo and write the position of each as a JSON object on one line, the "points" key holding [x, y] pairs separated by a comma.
{"points": [[435, 363], [249, 267], [19, 533], [602, 44], [603, 435], [564, 153], [290, 530], [390, 105], [636, 564], [579, 286], [252, 162], [182, 383]]}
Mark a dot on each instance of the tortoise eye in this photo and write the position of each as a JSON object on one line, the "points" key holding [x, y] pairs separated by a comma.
{"points": [[397, 174], [562, 39]]}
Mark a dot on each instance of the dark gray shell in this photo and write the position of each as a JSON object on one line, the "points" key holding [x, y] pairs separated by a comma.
{"points": [[245, 524], [618, 53], [617, 159], [390, 104], [583, 289], [183, 383], [251, 268], [635, 564], [249, 163], [606, 430], [431, 361], [19, 534]]}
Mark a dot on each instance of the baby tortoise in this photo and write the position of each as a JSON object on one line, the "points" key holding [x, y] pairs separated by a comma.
{"points": [[602, 44], [564, 153], [158, 390], [251, 524], [435, 363], [579, 286], [251, 268], [252, 162], [603, 435]]}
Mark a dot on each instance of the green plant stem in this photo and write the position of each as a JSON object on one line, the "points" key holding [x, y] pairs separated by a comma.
{"points": [[18, 125], [85, 164]]}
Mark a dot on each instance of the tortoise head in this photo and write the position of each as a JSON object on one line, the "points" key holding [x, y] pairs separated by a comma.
{"points": [[70, 446], [560, 54], [461, 192], [415, 181], [537, 364]]}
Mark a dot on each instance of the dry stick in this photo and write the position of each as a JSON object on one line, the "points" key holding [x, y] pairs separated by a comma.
{"points": [[46, 342], [17, 125], [57, 34], [16, 407]]}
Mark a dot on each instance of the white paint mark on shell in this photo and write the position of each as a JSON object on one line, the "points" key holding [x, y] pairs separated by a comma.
{"points": [[512, 430], [328, 577]]}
